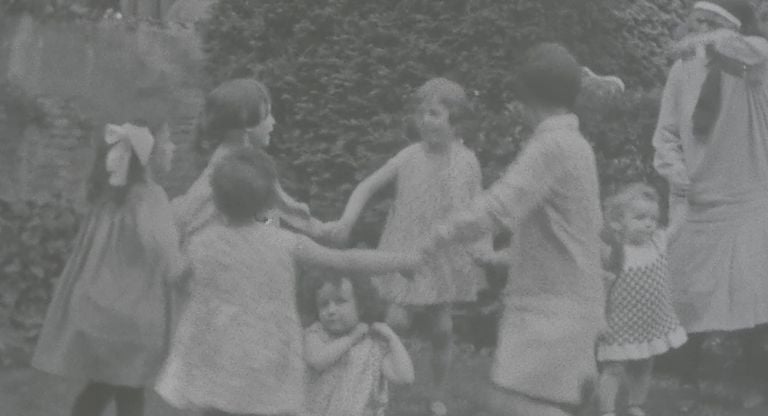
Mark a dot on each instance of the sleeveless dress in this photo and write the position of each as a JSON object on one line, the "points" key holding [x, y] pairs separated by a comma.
{"points": [[109, 318], [717, 259], [429, 188], [641, 319], [354, 385], [238, 346]]}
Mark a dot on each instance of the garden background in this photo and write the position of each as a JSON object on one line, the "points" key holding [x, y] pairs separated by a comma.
{"points": [[340, 72]]}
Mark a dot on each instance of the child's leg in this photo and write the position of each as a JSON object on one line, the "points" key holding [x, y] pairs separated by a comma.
{"points": [[441, 337], [638, 381], [93, 400], [129, 401], [609, 383]]}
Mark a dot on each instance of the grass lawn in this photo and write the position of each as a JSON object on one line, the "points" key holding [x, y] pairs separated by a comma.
{"points": [[25, 392]]}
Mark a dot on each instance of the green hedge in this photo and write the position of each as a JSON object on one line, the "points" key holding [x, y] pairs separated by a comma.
{"points": [[341, 72], [37, 239]]}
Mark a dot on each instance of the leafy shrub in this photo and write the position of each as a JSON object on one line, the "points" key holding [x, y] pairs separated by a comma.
{"points": [[37, 238], [18, 106], [341, 72], [620, 128]]}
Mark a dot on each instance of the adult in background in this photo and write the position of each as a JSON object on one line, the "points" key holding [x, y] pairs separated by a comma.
{"points": [[712, 146], [549, 197]]}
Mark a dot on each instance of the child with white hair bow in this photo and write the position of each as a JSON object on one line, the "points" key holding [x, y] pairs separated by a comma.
{"points": [[108, 320]]}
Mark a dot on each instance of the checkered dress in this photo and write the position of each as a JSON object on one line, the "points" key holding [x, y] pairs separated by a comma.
{"points": [[641, 319]]}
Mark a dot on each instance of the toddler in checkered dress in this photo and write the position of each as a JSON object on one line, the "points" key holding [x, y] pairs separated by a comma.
{"points": [[641, 319]]}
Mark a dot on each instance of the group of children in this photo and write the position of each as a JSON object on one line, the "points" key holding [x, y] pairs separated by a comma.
{"points": [[203, 288]]}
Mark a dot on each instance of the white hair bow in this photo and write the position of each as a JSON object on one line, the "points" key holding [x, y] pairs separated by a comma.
{"points": [[612, 83], [126, 140]]}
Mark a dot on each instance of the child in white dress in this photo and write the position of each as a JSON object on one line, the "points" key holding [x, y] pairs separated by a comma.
{"points": [[435, 177]]}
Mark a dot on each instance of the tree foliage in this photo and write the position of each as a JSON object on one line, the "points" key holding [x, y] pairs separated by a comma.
{"points": [[341, 72]]}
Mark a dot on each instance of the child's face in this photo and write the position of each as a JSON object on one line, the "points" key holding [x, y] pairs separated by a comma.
{"points": [[337, 308], [639, 222], [260, 135], [433, 122]]}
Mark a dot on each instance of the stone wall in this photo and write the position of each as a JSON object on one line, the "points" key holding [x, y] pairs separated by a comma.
{"points": [[107, 72]]}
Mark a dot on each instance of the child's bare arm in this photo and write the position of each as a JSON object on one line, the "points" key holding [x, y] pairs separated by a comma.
{"points": [[397, 366], [359, 198], [356, 260], [320, 354], [290, 206]]}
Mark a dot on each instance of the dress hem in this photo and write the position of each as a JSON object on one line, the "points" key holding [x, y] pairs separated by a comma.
{"points": [[642, 351]]}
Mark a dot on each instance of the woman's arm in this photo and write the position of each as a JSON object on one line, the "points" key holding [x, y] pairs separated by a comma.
{"points": [[353, 261], [669, 160], [320, 354], [524, 186], [397, 366]]}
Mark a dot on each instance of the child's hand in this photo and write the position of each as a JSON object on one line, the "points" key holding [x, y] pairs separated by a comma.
{"points": [[360, 331], [335, 232], [439, 237], [485, 258], [384, 330], [413, 263]]}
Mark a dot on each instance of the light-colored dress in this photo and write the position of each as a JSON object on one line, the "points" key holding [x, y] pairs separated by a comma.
{"points": [[718, 266], [554, 299], [195, 211], [641, 319], [354, 385], [428, 188], [238, 345], [108, 320]]}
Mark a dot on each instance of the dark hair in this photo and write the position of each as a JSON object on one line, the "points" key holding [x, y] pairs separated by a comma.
{"points": [[370, 306], [707, 110], [229, 109], [451, 95], [98, 187], [244, 184], [550, 75]]}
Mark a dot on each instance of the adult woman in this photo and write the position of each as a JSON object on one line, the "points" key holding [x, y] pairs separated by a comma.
{"points": [[711, 146], [549, 198]]}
